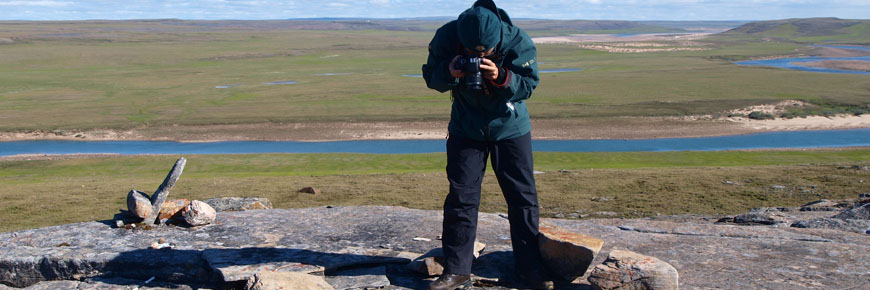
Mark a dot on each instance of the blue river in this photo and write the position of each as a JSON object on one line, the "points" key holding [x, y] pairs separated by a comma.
{"points": [[793, 139], [799, 63]]}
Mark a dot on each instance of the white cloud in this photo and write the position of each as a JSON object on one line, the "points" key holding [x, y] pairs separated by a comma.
{"points": [[35, 3]]}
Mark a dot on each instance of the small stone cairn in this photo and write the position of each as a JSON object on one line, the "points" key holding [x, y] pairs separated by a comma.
{"points": [[157, 209]]}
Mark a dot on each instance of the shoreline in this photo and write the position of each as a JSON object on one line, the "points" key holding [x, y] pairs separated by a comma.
{"points": [[625, 128]]}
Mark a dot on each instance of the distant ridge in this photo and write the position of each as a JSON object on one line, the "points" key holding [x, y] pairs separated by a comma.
{"points": [[807, 30]]}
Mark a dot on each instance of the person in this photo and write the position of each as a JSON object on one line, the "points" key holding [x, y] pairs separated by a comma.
{"points": [[487, 120]]}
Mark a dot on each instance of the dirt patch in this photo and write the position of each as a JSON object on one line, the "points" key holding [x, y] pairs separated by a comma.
{"points": [[636, 49], [841, 64]]}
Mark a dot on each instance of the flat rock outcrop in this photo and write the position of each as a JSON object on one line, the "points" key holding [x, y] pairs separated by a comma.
{"points": [[355, 246]]}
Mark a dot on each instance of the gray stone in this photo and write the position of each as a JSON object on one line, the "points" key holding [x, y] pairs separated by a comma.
{"points": [[707, 255], [821, 205], [761, 216], [566, 254], [267, 280], [238, 203], [848, 225], [163, 190], [359, 278], [138, 204], [860, 211], [199, 214], [629, 270]]}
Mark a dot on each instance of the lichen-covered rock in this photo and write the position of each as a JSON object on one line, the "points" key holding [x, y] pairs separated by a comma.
{"points": [[162, 193], [172, 208], [859, 211], [566, 254], [199, 213], [821, 205], [629, 270], [238, 203], [324, 239], [761, 216], [848, 225], [266, 280], [138, 203]]}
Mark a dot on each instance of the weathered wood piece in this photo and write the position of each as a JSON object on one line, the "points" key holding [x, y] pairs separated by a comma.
{"points": [[163, 191]]}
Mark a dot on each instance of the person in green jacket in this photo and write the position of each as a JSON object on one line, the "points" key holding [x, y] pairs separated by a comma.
{"points": [[489, 119]]}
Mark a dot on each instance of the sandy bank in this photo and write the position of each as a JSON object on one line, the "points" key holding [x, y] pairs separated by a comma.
{"points": [[585, 38], [566, 129]]}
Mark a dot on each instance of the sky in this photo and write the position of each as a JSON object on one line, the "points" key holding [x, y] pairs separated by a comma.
{"points": [[544, 9]]}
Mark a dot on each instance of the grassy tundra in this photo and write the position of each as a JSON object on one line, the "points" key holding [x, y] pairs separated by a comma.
{"points": [[51, 192], [134, 74]]}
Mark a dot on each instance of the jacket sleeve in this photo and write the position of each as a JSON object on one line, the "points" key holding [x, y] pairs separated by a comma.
{"points": [[435, 71], [521, 66]]}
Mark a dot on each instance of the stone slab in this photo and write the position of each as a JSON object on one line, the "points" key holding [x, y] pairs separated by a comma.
{"points": [[706, 255]]}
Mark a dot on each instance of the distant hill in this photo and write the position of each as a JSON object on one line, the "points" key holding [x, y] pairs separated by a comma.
{"points": [[432, 23], [806, 30]]}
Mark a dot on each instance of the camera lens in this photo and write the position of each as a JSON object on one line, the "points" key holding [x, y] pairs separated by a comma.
{"points": [[473, 78]]}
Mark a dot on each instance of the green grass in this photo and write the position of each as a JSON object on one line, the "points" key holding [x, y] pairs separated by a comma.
{"points": [[129, 76], [633, 184]]}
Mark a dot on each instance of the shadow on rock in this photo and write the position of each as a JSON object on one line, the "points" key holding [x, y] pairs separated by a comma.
{"points": [[225, 267]]}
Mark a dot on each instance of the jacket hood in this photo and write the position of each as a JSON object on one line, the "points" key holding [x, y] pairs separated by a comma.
{"points": [[480, 27]]}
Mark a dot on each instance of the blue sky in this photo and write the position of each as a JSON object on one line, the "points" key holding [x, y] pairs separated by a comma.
{"points": [[551, 9]]}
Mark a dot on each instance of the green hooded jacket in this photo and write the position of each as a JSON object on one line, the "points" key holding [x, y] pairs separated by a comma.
{"points": [[498, 111]]}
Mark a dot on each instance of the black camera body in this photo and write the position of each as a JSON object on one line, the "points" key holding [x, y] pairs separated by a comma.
{"points": [[470, 66]]}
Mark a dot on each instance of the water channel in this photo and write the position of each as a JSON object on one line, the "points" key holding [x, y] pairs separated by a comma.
{"points": [[799, 63], [792, 139]]}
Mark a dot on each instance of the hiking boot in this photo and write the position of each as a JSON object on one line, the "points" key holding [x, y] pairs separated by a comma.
{"points": [[451, 282]]}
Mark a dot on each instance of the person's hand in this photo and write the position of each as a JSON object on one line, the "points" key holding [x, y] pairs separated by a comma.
{"points": [[456, 73], [488, 69]]}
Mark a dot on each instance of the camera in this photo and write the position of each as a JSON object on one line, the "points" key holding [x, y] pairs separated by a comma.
{"points": [[470, 66]]}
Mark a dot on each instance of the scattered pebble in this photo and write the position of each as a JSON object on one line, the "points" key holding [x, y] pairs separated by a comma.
{"points": [[422, 239]]}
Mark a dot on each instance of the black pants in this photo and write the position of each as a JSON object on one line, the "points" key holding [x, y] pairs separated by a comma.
{"points": [[466, 164]]}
